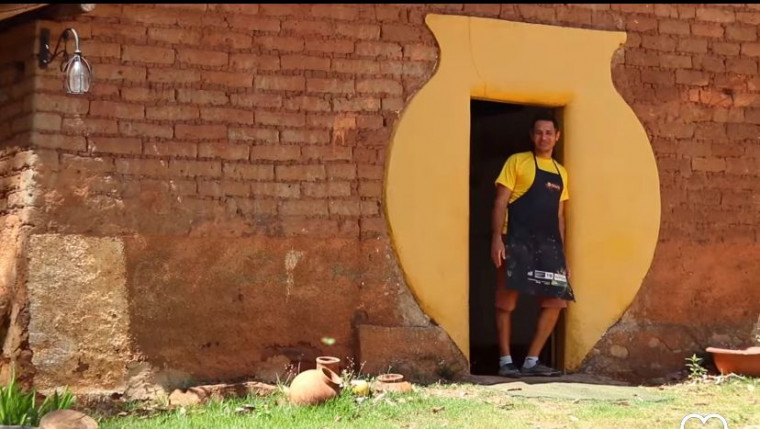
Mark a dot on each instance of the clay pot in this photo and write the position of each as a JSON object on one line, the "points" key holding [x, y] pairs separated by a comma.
{"points": [[743, 362], [314, 386], [330, 362], [391, 383]]}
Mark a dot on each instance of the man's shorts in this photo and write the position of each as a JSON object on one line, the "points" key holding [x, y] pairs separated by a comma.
{"points": [[506, 299]]}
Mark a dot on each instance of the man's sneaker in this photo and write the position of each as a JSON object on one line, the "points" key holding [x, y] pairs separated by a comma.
{"points": [[540, 369], [509, 370]]}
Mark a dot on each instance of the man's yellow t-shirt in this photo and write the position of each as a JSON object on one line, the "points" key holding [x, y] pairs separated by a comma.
{"points": [[519, 172]]}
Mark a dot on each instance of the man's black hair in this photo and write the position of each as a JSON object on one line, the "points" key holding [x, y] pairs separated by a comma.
{"points": [[544, 115]]}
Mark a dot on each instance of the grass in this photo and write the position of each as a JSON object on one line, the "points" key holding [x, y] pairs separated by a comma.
{"points": [[467, 406]]}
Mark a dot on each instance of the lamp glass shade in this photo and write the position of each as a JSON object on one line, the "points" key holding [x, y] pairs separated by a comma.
{"points": [[78, 75]]}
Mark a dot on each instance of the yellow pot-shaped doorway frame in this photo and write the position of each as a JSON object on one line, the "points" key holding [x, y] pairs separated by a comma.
{"points": [[614, 208]]}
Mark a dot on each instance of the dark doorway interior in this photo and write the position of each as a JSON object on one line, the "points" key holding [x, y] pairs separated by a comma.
{"points": [[497, 131]]}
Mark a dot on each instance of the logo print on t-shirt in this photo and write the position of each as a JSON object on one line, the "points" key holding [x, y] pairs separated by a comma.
{"points": [[550, 185]]}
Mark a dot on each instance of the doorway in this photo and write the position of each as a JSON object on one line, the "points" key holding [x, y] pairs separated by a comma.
{"points": [[497, 131]]}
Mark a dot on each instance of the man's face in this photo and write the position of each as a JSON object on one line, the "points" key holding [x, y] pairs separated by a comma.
{"points": [[544, 136]]}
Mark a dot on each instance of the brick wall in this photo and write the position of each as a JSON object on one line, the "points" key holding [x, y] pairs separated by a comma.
{"points": [[17, 187], [273, 121]]}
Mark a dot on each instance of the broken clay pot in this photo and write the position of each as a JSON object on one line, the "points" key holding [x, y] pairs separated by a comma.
{"points": [[391, 383], [314, 386], [741, 362]]}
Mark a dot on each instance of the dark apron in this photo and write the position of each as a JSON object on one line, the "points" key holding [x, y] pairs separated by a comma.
{"points": [[535, 256]]}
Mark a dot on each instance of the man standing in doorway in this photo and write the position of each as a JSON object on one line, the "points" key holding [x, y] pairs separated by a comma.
{"points": [[528, 251]]}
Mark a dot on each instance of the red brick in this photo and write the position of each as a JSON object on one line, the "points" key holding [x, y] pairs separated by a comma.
{"points": [[330, 46], [400, 33], [326, 153], [147, 95], [226, 39], [172, 149], [88, 165], [330, 85], [335, 11], [675, 61], [90, 126], [726, 49], [675, 130], [254, 134], [710, 63], [707, 30], [279, 43], [372, 172], [370, 189], [393, 104], [713, 14], [61, 104], [280, 83], [304, 62], [305, 136], [112, 109], [640, 57], [752, 116], [641, 24], [224, 150], [284, 9], [225, 114], [239, 189], [389, 12], [248, 172], [728, 115], [277, 190], [202, 96], [280, 119], [746, 100], [46, 122], [741, 166], [308, 173], [244, 9], [103, 49], [674, 27], [742, 131], [341, 171], [175, 36], [313, 104], [275, 152], [195, 168], [58, 141], [751, 18], [741, 66], [345, 207], [327, 189], [379, 86], [110, 72], [202, 57], [379, 49], [151, 15], [416, 68], [173, 76], [255, 62], [741, 33], [710, 132], [659, 43], [200, 132], [116, 32], [360, 67], [257, 100], [368, 104], [121, 145], [754, 84], [750, 49], [143, 167], [698, 46], [358, 31], [418, 52], [303, 207], [255, 23], [690, 77], [365, 155], [172, 112], [708, 164], [320, 28], [256, 207], [147, 54], [137, 129], [536, 13], [228, 79]]}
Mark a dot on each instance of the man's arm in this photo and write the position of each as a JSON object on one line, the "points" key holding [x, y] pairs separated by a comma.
{"points": [[498, 253]]}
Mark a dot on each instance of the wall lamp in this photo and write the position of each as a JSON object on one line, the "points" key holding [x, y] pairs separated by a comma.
{"points": [[77, 69]]}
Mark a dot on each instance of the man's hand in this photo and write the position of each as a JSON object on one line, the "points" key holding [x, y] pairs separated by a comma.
{"points": [[498, 252]]}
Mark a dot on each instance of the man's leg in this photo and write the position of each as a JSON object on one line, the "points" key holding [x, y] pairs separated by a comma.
{"points": [[506, 300], [547, 321]]}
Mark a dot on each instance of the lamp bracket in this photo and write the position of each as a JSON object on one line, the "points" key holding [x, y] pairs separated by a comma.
{"points": [[45, 57]]}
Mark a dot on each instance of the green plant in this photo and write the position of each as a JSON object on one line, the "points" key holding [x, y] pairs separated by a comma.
{"points": [[18, 407], [696, 370]]}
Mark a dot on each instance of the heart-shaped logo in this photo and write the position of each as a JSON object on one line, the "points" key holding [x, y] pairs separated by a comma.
{"points": [[704, 419]]}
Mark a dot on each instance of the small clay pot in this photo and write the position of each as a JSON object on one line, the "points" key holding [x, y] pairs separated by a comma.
{"points": [[391, 383], [314, 386], [330, 362]]}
